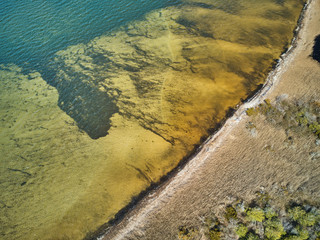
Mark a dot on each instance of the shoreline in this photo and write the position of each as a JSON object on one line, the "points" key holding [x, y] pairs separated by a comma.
{"points": [[150, 199]]}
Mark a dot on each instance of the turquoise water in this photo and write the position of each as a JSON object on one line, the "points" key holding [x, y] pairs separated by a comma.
{"points": [[31, 31]]}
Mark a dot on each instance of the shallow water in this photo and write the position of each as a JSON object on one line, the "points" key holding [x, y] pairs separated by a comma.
{"points": [[31, 31], [90, 121]]}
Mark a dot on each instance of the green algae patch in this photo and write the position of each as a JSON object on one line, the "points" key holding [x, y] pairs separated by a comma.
{"points": [[124, 109]]}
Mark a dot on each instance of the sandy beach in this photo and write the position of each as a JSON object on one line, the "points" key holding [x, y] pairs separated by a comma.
{"points": [[235, 163]]}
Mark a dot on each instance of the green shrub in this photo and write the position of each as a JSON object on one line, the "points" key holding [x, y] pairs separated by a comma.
{"points": [[266, 107], [186, 233], [213, 225], [270, 213], [302, 217], [290, 115], [302, 235], [241, 230], [231, 213], [252, 111], [214, 234], [273, 229], [296, 213], [315, 128], [255, 215], [294, 237], [252, 236]]}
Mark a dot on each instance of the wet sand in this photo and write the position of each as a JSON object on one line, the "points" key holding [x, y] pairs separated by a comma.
{"points": [[235, 163]]}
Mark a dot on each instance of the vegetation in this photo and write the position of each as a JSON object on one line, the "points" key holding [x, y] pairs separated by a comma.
{"points": [[214, 234], [273, 229], [255, 215], [270, 213], [296, 116], [302, 217], [241, 230], [252, 111], [261, 220], [186, 233], [213, 227], [251, 236], [231, 213]]}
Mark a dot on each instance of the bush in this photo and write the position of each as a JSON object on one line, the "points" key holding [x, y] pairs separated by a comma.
{"points": [[255, 215], [252, 236], [315, 128], [302, 217], [290, 115], [266, 107], [270, 213], [214, 234], [273, 229], [293, 237], [302, 235], [252, 111], [186, 233], [231, 213], [241, 230], [301, 118], [262, 221], [213, 225]]}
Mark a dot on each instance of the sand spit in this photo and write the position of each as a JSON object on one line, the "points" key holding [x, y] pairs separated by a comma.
{"points": [[234, 163]]}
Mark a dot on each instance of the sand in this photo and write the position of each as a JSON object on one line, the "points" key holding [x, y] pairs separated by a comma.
{"points": [[235, 163]]}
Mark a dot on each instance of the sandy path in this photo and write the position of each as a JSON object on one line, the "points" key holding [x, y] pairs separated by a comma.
{"points": [[233, 163]]}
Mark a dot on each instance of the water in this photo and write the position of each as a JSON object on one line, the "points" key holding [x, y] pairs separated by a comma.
{"points": [[31, 31], [100, 99]]}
